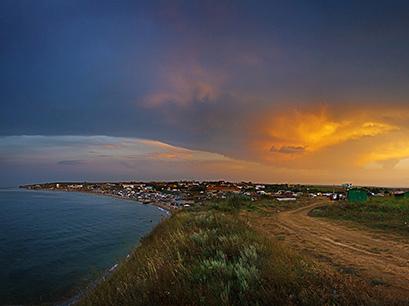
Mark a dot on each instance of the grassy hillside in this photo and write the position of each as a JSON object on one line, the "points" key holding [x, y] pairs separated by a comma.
{"points": [[379, 213], [213, 258]]}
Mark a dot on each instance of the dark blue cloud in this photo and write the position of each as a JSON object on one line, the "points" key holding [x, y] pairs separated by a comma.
{"points": [[82, 67]]}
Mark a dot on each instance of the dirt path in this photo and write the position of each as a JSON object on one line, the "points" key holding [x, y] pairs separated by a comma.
{"points": [[378, 257]]}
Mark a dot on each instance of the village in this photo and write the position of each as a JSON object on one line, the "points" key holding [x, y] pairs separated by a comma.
{"points": [[182, 194]]}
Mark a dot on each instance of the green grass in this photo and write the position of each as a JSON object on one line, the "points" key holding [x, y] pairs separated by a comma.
{"points": [[380, 213], [213, 258], [263, 206]]}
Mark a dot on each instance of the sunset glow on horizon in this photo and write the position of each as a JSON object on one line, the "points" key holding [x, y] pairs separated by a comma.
{"points": [[269, 92]]}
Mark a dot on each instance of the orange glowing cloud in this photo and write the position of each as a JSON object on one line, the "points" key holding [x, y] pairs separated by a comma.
{"points": [[297, 132], [388, 154]]}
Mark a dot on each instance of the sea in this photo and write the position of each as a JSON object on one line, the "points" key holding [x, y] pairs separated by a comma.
{"points": [[53, 244]]}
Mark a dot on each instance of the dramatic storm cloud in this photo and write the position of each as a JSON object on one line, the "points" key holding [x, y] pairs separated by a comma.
{"points": [[274, 91]]}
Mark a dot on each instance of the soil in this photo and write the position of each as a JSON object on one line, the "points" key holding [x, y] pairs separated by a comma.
{"points": [[378, 257]]}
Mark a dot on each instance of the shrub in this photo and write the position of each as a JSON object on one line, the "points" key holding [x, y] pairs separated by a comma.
{"points": [[213, 258]]}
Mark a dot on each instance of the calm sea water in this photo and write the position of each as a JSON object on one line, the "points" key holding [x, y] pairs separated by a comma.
{"points": [[54, 243]]}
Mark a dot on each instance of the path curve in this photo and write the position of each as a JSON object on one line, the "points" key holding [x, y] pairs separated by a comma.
{"points": [[376, 256]]}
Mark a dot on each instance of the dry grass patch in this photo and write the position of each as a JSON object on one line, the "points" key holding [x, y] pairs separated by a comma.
{"points": [[213, 258]]}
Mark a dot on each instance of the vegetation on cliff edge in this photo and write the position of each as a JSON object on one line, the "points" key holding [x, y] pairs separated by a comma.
{"points": [[211, 257]]}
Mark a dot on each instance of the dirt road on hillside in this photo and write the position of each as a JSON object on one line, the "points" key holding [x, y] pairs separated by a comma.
{"points": [[377, 257]]}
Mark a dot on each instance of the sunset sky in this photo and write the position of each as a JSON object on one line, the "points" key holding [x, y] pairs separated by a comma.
{"points": [[267, 91]]}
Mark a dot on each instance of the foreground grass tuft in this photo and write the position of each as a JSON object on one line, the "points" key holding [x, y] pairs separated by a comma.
{"points": [[213, 258]]}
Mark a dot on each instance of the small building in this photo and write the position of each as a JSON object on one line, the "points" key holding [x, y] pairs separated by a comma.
{"points": [[401, 194], [220, 188], [128, 186], [336, 196], [357, 195], [286, 199]]}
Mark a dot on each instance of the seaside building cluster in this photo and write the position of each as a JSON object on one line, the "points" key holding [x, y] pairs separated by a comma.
{"points": [[180, 194]]}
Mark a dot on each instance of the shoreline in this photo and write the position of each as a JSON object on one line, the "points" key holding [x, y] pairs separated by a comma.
{"points": [[163, 206], [69, 301]]}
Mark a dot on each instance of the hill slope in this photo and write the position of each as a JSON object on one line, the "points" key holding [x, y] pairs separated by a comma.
{"points": [[213, 258]]}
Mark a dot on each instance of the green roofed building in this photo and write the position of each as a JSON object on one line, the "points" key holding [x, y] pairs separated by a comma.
{"points": [[357, 195]]}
